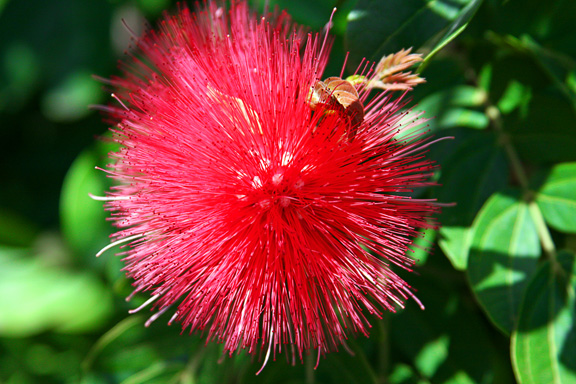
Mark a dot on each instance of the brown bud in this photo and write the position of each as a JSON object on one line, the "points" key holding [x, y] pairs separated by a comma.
{"points": [[339, 95]]}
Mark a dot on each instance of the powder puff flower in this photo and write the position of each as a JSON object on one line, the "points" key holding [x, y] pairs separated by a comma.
{"points": [[267, 208]]}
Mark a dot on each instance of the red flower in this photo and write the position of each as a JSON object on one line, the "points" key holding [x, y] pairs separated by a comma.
{"points": [[265, 220]]}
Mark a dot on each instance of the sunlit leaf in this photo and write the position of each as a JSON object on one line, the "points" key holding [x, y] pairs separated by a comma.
{"points": [[516, 95], [557, 198], [503, 257], [455, 242], [84, 219], [404, 374], [458, 106], [36, 297], [544, 342]]}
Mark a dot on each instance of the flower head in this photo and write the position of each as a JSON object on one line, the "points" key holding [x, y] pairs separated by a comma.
{"points": [[263, 218]]}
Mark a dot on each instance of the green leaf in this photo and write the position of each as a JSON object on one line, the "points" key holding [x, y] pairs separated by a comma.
{"points": [[458, 106], [83, 219], [455, 29], [473, 167], [378, 28], [545, 146], [557, 198], [503, 257], [130, 349], [455, 243], [69, 100], [544, 343], [444, 73], [537, 116], [557, 66], [36, 297], [404, 374], [153, 8], [474, 170], [516, 95], [435, 341], [57, 42]]}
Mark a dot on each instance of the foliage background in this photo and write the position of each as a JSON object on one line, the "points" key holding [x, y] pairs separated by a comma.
{"points": [[499, 285]]}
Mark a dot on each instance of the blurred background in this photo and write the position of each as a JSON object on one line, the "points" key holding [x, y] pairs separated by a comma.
{"points": [[501, 79]]}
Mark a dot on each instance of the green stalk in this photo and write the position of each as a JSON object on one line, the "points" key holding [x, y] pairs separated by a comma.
{"points": [[384, 349], [310, 362]]}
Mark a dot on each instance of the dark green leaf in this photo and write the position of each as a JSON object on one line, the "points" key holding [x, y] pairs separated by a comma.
{"points": [[503, 257], [109, 337], [443, 73], [455, 29], [475, 168], [15, 230], [52, 44], [544, 343], [546, 146], [536, 115], [549, 23], [130, 349], [557, 198], [378, 28], [557, 66], [317, 14], [435, 341]]}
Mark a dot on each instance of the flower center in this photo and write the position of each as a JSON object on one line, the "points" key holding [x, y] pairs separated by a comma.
{"points": [[278, 189]]}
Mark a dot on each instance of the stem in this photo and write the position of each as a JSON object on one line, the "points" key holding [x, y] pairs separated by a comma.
{"points": [[543, 232], [309, 364], [493, 114], [546, 241], [384, 349], [188, 375]]}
